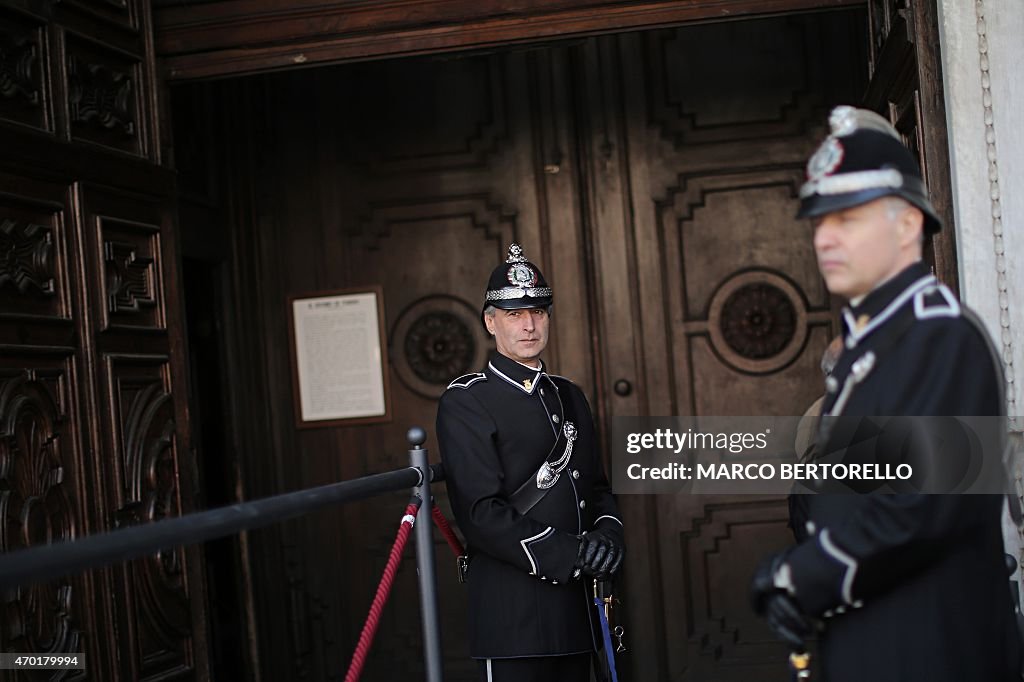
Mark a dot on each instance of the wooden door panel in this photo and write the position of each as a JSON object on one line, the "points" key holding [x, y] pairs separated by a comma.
{"points": [[151, 596], [43, 499], [699, 94], [123, 14], [742, 320], [35, 283], [104, 91], [123, 239], [147, 475], [733, 313], [24, 95], [707, 562], [397, 136], [45, 484]]}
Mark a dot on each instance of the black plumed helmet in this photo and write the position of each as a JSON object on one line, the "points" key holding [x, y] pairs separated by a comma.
{"points": [[517, 284], [863, 159]]}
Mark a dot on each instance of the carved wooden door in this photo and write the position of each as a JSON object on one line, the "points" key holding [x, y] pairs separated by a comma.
{"points": [[696, 147], [906, 87], [93, 423]]}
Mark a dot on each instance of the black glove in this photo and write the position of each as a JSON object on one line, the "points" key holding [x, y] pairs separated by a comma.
{"points": [[780, 610], [600, 554]]}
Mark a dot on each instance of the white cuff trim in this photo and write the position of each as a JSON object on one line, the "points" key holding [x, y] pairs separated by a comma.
{"points": [[536, 538], [842, 557]]}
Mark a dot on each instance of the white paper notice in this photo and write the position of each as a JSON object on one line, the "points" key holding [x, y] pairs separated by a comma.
{"points": [[338, 353]]}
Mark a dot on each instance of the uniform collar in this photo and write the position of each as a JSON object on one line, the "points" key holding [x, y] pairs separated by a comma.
{"points": [[882, 303], [522, 377]]}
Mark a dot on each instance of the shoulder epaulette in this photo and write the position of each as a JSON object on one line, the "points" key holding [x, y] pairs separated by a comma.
{"points": [[937, 301], [467, 380]]}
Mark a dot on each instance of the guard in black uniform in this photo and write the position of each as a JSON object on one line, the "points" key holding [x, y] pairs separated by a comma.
{"points": [[904, 587], [528, 490]]}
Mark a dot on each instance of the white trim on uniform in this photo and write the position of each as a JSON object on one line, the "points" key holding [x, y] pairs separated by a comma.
{"points": [[607, 516], [470, 380], [887, 312], [536, 538], [518, 384], [950, 309], [842, 557]]}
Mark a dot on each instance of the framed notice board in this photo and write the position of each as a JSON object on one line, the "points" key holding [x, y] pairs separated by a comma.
{"points": [[338, 358]]}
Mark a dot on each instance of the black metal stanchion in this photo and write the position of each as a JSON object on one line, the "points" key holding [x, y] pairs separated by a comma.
{"points": [[425, 558]]}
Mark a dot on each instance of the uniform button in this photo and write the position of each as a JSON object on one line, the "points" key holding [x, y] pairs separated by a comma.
{"points": [[583, 504], [575, 473], [555, 418], [542, 391], [831, 385], [554, 582], [810, 527]]}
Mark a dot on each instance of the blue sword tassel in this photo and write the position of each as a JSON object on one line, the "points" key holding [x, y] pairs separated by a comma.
{"points": [[606, 633]]}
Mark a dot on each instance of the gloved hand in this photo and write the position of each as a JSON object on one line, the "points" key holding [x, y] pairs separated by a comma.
{"points": [[770, 598], [600, 553]]}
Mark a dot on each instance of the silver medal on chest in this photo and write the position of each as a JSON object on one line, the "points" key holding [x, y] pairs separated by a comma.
{"points": [[549, 472]]}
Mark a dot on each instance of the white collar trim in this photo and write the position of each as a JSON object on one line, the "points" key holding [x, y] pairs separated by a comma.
{"points": [[519, 384], [887, 312]]}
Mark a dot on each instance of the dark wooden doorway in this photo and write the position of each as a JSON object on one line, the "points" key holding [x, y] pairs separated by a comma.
{"points": [[652, 175], [646, 173]]}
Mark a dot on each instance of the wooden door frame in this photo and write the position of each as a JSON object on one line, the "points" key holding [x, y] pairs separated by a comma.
{"points": [[237, 37], [909, 68]]}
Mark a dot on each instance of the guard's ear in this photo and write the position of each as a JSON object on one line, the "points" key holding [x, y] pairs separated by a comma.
{"points": [[489, 323], [910, 224]]}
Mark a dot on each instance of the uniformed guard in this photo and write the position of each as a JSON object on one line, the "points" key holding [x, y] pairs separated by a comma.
{"points": [[528, 490], [904, 587]]}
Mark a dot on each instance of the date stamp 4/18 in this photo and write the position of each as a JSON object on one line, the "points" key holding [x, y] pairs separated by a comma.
{"points": [[72, 661]]}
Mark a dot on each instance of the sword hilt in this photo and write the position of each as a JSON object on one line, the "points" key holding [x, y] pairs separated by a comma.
{"points": [[800, 664], [603, 592]]}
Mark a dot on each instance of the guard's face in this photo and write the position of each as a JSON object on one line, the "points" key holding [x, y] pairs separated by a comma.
{"points": [[519, 334], [860, 247]]}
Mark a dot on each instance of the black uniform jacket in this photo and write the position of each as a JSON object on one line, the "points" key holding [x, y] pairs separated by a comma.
{"points": [[495, 430], [911, 587]]}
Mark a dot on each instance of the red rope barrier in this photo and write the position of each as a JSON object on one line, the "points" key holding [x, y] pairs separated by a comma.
{"points": [[355, 669], [446, 530]]}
